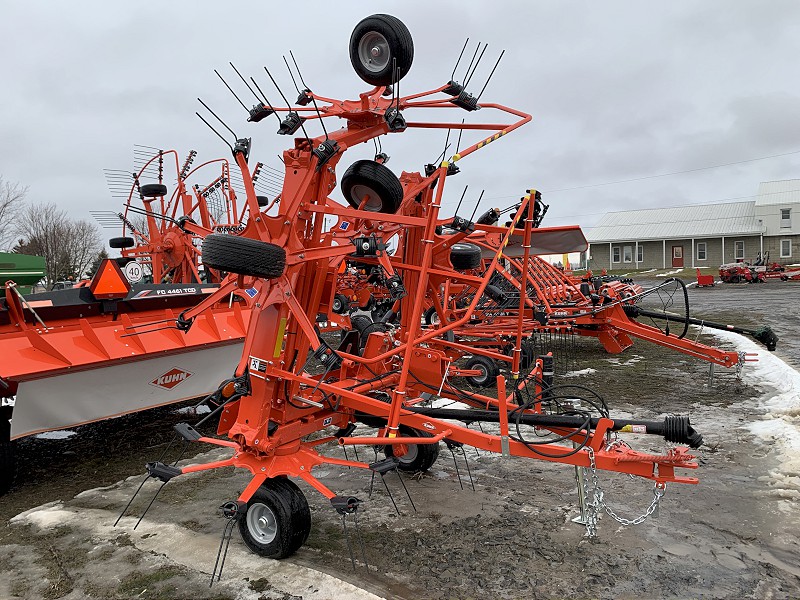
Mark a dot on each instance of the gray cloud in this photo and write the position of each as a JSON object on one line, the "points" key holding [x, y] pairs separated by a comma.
{"points": [[618, 90]]}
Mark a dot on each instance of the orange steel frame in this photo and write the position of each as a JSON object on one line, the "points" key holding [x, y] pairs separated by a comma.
{"points": [[169, 248], [285, 309]]}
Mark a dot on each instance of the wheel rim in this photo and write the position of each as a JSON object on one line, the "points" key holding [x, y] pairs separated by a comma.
{"points": [[484, 374], [374, 203], [373, 52], [261, 523], [435, 318], [410, 456], [337, 305]]}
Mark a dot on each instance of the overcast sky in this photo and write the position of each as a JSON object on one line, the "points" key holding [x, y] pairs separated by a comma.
{"points": [[617, 90]]}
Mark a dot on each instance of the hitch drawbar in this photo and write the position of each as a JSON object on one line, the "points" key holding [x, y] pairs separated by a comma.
{"points": [[675, 429]]}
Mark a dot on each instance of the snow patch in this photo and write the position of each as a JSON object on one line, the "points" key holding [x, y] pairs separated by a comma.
{"points": [[588, 371], [624, 363], [62, 434], [780, 426], [192, 410], [668, 273]]}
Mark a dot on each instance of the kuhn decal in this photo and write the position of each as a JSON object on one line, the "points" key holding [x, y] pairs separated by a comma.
{"points": [[172, 378]]}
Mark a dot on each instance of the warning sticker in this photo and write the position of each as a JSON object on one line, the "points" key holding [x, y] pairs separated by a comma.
{"points": [[258, 367]]}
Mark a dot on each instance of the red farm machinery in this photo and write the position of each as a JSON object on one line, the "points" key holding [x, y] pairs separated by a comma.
{"points": [[422, 302]]}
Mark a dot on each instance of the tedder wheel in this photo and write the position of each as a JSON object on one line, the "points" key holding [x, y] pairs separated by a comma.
{"points": [[365, 326], [375, 182], [377, 45], [277, 521], [153, 190], [465, 256], [340, 304], [121, 242], [419, 457], [488, 368], [8, 458], [431, 316], [243, 256]]}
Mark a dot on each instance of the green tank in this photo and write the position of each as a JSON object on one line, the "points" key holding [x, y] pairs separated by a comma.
{"points": [[22, 269]]}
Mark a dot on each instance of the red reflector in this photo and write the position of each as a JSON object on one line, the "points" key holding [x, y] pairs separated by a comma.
{"points": [[109, 282]]}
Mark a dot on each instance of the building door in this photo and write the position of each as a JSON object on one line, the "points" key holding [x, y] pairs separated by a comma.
{"points": [[677, 256]]}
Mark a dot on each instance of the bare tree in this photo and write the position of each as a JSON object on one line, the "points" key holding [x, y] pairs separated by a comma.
{"points": [[68, 247], [12, 196], [81, 245]]}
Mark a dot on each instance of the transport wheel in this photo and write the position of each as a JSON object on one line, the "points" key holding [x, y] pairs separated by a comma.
{"points": [[153, 190], [375, 182], [365, 326], [419, 457], [121, 242], [243, 256], [379, 44], [431, 316], [465, 256], [277, 521], [526, 356], [488, 368], [340, 304], [8, 458]]}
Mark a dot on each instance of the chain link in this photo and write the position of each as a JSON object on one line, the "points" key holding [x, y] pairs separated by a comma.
{"points": [[595, 502]]}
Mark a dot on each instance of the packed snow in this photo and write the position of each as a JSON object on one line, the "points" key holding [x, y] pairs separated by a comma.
{"points": [[780, 425]]}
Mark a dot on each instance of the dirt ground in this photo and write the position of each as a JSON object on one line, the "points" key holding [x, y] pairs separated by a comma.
{"points": [[732, 536]]}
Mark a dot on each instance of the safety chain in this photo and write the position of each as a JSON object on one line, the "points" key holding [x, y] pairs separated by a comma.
{"points": [[595, 502]]}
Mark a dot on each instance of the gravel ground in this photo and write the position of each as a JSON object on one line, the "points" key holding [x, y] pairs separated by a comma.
{"points": [[731, 536]]}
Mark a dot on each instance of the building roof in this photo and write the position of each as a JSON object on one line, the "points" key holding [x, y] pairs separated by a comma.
{"points": [[679, 222], [786, 191]]}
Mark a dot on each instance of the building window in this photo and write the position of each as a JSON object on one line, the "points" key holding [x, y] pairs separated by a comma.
{"points": [[640, 253], [786, 248], [786, 217], [738, 250], [701, 250], [615, 254], [627, 254]]}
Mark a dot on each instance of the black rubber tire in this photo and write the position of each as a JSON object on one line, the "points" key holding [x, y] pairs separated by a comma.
{"points": [[243, 256], [465, 256], [340, 304], [489, 368], [153, 190], [398, 49], [121, 242], [8, 457], [289, 507], [377, 181], [526, 356], [365, 326], [420, 457], [431, 316], [262, 201]]}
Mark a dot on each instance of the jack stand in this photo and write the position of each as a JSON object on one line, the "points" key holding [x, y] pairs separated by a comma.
{"points": [[711, 375], [579, 480]]}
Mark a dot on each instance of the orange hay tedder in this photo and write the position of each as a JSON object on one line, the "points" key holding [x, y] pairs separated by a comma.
{"points": [[453, 302], [293, 382]]}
